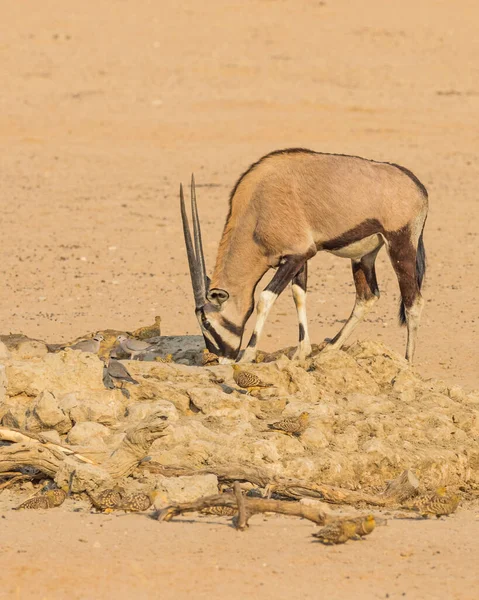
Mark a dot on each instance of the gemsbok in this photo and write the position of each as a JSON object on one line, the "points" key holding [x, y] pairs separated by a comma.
{"points": [[284, 209]]}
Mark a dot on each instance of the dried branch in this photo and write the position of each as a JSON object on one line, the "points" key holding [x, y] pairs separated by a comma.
{"points": [[404, 486], [242, 518], [251, 507], [10, 434]]}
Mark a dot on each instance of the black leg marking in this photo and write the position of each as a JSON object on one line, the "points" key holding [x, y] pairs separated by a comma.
{"points": [[253, 340], [301, 277], [301, 332]]}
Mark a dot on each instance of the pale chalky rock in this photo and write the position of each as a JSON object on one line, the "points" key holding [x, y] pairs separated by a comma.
{"points": [[138, 411], [208, 400], [188, 488], [52, 435], [105, 406], [315, 438], [4, 352], [62, 372], [48, 412], [3, 383], [88, 434], [86, 477], [379, 361], [336, 371], [22, 347]]}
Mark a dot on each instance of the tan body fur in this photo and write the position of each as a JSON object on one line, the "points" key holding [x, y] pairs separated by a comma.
{"points": [[292, 204]]}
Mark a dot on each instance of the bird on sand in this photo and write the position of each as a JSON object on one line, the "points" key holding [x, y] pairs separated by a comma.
{"points": [[247, 380], [364, 525], [134, 347], [137, 501], [337, 532], [92, 345], [220, 511], [291, 425], [108, 499], [50, 499], [438, 503]]}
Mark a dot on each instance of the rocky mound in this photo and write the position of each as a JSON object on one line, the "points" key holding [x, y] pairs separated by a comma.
{"points": [[370, 415]]}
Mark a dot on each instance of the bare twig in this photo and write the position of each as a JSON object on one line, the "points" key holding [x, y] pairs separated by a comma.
{"points": [[242, 518]]}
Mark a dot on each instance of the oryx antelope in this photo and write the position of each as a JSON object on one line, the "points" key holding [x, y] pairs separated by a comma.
{"points": [[284, 209]]}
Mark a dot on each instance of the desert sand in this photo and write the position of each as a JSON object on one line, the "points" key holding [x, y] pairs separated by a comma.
{"points": [[105, 108]]}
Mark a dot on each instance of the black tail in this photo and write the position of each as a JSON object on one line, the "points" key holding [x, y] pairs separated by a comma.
{"points": [[420, 272]]}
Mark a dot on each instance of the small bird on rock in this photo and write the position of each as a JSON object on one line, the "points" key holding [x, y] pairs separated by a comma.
{"points": [[117, 371], [134, 347], [438, 503], [92, 345], [248, 381], [164, 359], [149, 331], [337, 532], [138, 501], [291, 425], [209, 358]]}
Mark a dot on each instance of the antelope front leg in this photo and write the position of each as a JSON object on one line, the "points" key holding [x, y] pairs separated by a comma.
{"points": [[285, 273], [299, 295]]}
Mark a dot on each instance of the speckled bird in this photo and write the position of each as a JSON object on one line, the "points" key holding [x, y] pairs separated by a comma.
{"points": [[56, 497], [49, 499], [164, 359], [291, 425], [149, 331], [338, 532], [137, 501], [438, 503], [107, 499], [220, 511], [209, 358], [36, 502], [248, 381], [364, 525]]}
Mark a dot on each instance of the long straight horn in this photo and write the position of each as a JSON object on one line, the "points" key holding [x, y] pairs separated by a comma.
{"points": [[200, 256], [197, 277]]}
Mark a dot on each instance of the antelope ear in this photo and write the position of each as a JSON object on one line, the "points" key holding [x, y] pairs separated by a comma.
{"points": [[217, 296]]}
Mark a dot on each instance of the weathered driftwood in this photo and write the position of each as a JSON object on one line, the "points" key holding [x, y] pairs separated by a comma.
{"points": [[404, 486], [20, 455], [33, 450], [28, 438], [135, 445], [247, 508]]}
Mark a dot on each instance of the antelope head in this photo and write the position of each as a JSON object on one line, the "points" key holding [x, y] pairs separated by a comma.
{"points": [[222, 336]]}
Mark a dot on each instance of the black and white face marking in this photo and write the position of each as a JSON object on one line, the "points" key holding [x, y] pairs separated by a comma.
{"points": [[221, 335]]}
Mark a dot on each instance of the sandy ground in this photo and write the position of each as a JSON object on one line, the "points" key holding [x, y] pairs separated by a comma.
{"points": [[105, 107], [83, 556]]}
